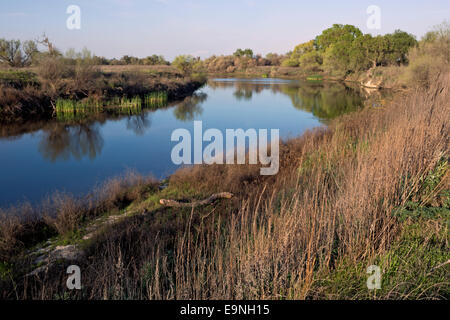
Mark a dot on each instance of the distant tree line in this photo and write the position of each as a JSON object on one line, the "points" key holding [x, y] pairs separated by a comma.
{"points": [[130, 60], [339, 50], [16, 53]]}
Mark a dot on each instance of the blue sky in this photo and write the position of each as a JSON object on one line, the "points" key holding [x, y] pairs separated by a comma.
{"points": [[204, 27]]}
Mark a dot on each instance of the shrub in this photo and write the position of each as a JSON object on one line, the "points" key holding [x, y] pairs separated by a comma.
{"points": [[429, 58], [185, 63]]}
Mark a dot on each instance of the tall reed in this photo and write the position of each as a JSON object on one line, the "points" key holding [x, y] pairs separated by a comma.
{"points": [[156, 99]]}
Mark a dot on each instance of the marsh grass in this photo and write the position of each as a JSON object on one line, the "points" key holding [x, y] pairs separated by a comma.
{"points": [[66, 109], [155, 100], [69, 110]]}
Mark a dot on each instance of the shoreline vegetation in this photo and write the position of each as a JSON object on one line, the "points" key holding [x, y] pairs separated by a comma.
{"points": [[118, 92], [371, 188]]}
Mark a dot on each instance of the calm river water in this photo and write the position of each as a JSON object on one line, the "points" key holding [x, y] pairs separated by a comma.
{"points": [[39, 157]]}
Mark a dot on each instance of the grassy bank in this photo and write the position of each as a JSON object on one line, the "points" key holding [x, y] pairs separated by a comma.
{"points": [[370, 189]]}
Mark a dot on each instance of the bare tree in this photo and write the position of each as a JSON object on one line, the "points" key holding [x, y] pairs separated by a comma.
{"points": [[46, 42]]}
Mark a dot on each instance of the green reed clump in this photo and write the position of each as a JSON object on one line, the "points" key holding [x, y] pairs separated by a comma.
{"points": [[130, 105], [155, 99], [67, 109]]}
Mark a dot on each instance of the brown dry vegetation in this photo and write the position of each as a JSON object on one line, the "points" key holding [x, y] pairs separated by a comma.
{"points": [[31, 92], [62, 214], [157, 69], [307, 233]]}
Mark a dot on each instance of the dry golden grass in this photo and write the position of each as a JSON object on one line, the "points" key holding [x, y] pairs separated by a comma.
{"points": [[61, 213], [141, 68]]}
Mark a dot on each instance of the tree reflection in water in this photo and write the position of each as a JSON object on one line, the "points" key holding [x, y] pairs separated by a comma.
{"points": [[325, 100], [190, 107], [61, 142], [139, 123], [64, 141]]}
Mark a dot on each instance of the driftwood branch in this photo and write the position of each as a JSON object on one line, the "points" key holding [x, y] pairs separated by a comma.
{"points": [[193, 204], [441, 265]]}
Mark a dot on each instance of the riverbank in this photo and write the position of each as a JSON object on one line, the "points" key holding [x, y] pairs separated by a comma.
{"points": [[370, 189], [27, 93], [375, 79]]}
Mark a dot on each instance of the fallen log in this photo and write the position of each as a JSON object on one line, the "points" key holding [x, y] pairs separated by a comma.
{"points": [[193, 204]]}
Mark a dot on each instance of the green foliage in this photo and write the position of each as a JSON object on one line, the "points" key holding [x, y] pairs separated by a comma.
{"points": [[344, 49], [67, 109], [6, 270], [413, 210], [421, 205], [335, 43], [311, 61], [305, 55], [72, 110], [398, 45], [73, 57], [274, 59], [337, 34], [17, 54], [413, 268], [336, 60], [325, 101], [155, 60], [155, 99], [366, 52], [290, 62], [434, 178], [15, 77], [314, 78], [185, 63], [243, 53]]}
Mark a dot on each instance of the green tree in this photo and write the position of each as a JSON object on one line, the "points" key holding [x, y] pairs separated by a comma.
{"points": [[16, 54], [334, 43], [311, 61], [274, 58], [243, 53], [399, 44], [299, 51], [130, 60], [368, 52], [338, 33], [155, 60], [185, 63]]}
